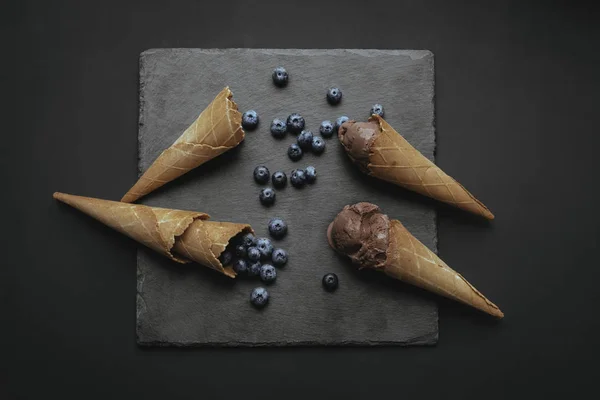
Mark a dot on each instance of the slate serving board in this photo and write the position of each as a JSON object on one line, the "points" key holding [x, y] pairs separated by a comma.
{"points": [[190, 305]]}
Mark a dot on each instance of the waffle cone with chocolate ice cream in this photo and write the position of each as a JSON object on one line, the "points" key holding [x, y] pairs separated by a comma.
{"points": [[372, 240], [216, 130], [179, 235], [382, 152]]}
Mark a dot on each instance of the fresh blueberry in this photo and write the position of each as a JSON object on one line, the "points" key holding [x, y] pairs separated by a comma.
{"points": [[254, 269], [318, 145], [326, 129], [226, 257], [268, 273], [294, 152], [279, 179], [295, 123], [334, 95], [330, 282], [305, 140], [265, 247], [279, 257], [253, 254], [261, 174], [267, 196], [240, 251], [298, 178], [311, 174], [249, 240], [277, 228], [250, 120], [339, 122], [378, 110], [278, 128], [259, 297], [280, 77], [240, 266]]}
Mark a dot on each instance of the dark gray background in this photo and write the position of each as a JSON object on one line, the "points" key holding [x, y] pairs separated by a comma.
{"points": [[195, 306], [516, 110]]}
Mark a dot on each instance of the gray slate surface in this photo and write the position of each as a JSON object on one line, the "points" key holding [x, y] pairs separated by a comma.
{"points": [[191, 305]]}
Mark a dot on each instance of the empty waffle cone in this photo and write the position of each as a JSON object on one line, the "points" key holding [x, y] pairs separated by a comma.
{"points": [[382, 152], [179, 235], [216, 130], [374, 241]]}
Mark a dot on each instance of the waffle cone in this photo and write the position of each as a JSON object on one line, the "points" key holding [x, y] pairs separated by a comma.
{"points": [[216, 130], [412, 262], [394, 160], [179, 235]]}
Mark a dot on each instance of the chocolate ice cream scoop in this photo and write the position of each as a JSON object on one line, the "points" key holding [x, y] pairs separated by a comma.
{"points": [[357, 138]]}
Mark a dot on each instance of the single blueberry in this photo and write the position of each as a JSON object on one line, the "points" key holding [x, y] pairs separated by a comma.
{"points": [[265, 247], [278, 128], [326, 129], [294, 152], [311, 174], [334, 95], [268, 273], [226, 257], [295, 123], [280, 77], [250, 120], [249, 240], [279, 179], [240, 251], [277, 228], [298, 178], [267, 196], [305, 140], [279, 257], [330, 282], [254, 269], [253, 254], [318, 145], [339, 122], [261, 174], [378, 110], [240, 266], [259, 297]]}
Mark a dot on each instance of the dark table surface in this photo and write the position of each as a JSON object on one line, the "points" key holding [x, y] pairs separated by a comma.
{"points": [[516, 102]]}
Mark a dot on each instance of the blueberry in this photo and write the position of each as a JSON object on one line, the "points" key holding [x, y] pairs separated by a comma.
{"points": [[311, 174], [339, 122], [280, 77], [261, 174], [298, 178], [254, 269], [277, 228], [250, 120], [253, 254], [268, 273], [265, 247], [249, 240], [278, 128], [279, 179], [378, 110], [259, 297], [240, 266], [334, 95], [294, 152], [326, 129], [330, 282], [226, 257], [279, 257], [295, 123], [240, 251], [305, 140], [318, 145], [267, 196]]}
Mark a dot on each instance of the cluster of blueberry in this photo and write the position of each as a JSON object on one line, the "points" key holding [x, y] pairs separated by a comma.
{"points": [[252, 256], [299, 178]]}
